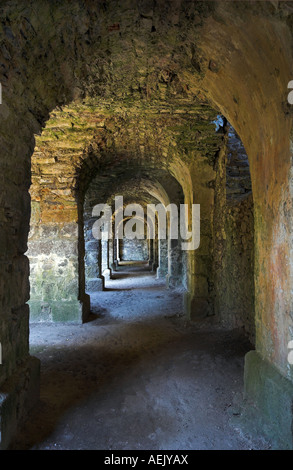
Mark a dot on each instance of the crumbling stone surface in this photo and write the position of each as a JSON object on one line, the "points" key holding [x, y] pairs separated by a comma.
{"points": [[134, 250], [233, 284], [144, 81], [236, 281], [103, 155]]}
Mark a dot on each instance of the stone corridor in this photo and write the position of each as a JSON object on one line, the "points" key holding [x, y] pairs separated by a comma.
{"points": [[156, 133], [138, 377]]}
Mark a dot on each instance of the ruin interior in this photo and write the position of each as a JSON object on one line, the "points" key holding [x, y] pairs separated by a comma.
{"points": [[181, 102]]}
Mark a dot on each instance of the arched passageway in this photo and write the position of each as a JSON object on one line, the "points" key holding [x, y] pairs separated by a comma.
{"points": [[137, 377], [145, 84]]}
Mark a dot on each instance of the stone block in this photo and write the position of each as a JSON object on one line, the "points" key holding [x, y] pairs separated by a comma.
{"points": [[95, 285], [196, 308], [17, 397], [268, 402], [56, 311]]}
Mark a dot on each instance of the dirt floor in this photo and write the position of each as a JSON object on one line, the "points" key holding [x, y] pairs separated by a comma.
{"points": [[137, 376]]}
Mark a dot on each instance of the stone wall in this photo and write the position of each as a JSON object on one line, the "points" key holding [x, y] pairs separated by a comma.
{"points": [[236, 280], [54, 273], [134, 250], [234, 238], [162, 269], [53, 53]]}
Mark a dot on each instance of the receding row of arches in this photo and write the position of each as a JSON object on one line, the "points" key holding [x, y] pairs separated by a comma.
{"points": [[135, 186], [95, 93]]}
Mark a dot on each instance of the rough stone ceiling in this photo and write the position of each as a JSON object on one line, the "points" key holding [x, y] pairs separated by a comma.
{"points": [[141, 85], [151, 186], [82, 140]]}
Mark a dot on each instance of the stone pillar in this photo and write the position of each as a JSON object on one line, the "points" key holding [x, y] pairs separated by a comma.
{"points": [[95, 281], [198, 300], [162, 269], [54, 272], [174, 264], [268, 373], [151, 252], [173, 277], [106, 259], [112, 254], [155, 255], [19, 372], [115, 262], [198, 270], [118, 250]]}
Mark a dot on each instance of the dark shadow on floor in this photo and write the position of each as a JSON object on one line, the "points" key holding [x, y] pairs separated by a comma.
{"points": [[138, 376], [111, 368]]}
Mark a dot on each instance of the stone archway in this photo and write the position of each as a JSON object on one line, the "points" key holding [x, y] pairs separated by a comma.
{"points": [[227, 56]]}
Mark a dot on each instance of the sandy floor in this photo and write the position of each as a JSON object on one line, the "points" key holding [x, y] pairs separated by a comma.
{"points": [[137, 376]]}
